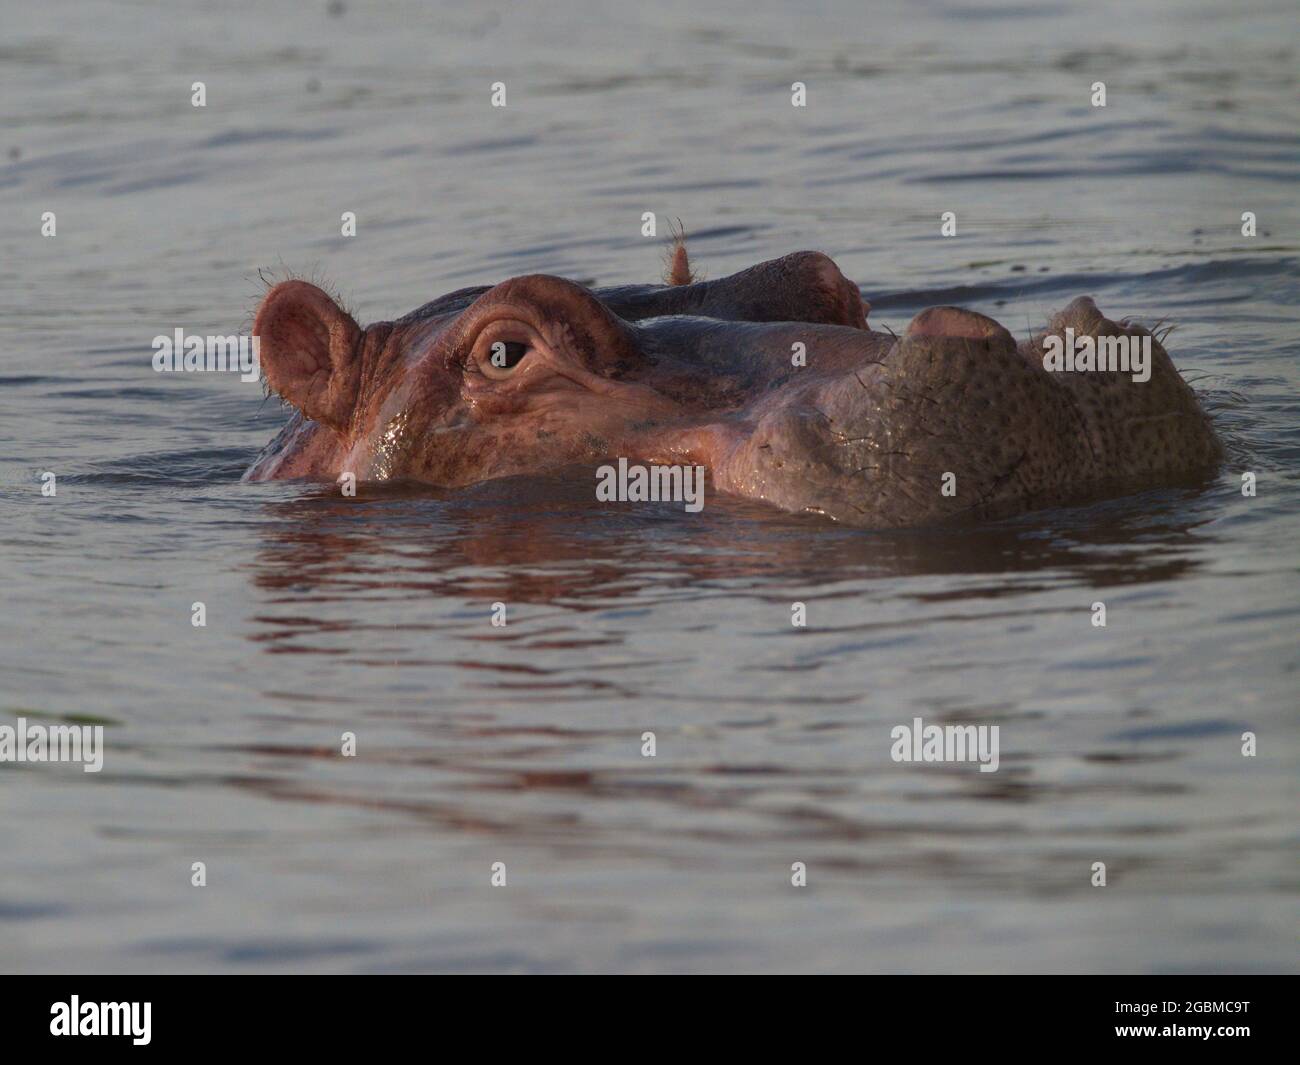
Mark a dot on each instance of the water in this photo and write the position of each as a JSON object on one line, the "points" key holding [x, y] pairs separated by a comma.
{"points": [[522, 745]]}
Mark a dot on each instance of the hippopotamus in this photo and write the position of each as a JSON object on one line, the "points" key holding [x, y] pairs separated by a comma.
{"points": [[770, 378]]}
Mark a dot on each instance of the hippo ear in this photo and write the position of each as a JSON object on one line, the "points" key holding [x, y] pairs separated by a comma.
{"points": [[309, 350]]}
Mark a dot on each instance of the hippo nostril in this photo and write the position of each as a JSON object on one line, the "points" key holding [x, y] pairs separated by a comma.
{"points": [[959, 323]]}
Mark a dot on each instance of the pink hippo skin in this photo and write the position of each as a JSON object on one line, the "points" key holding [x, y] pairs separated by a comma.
{"points": [[701, 373]]}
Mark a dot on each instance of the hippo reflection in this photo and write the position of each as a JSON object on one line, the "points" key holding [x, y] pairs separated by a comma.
{"points": [[769, 378]]}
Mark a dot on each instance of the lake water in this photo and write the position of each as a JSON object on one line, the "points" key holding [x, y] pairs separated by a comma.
{"points": [[522, 744]]}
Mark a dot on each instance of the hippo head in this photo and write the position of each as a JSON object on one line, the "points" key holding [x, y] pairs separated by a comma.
{"points": [[769, 378]]}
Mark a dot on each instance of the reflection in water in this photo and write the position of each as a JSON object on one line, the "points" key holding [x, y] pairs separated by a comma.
{"points": [[398, 584], [545, 541]]}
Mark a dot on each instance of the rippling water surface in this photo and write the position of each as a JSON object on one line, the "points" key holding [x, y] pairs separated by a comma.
{"points": [[479, 744]]}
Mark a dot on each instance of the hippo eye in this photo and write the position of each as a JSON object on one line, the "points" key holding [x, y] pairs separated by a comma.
{"points": [[505, 346], [507, 354], [500, 358]]}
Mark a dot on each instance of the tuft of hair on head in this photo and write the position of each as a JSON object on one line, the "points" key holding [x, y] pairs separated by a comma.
{"points": [[677, 267]]}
